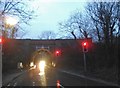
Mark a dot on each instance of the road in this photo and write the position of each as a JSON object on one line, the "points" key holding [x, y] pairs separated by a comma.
{"points": [[52, 77]]}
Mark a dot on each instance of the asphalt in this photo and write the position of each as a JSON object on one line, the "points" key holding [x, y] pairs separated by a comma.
{"points": [[11, 75], [65, 78]]}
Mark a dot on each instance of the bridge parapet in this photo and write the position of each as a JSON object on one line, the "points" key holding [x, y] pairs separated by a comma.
{"points": [[22, 49]]}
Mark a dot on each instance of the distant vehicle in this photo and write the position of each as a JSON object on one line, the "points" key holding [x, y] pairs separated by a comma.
{"points": [[20, 65], [42, 60]]}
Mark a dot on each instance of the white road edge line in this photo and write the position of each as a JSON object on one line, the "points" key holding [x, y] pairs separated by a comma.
{"points": [[93, 79], [8, 84], [33, 83], [15, 84]]}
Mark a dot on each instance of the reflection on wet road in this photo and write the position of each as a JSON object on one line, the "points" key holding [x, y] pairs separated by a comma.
{"points": [[51, 77], [43, 80]]}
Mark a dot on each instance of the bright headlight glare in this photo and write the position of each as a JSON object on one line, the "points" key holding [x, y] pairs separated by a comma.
{"points": [[31, 64], [34, 66], [42, 65]]}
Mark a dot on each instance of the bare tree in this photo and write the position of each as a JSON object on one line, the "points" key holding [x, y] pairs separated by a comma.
{"points": [[105, 16], [47, 35], [14, 8], [67, 27], [77, 22]]}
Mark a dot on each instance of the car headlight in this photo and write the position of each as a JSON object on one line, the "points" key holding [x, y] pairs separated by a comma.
{"points": [[31, 64], [42, 66]]}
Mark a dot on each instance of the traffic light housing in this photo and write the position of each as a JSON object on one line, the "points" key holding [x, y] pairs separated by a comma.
{"points": [[57, 52], [85, 46]]}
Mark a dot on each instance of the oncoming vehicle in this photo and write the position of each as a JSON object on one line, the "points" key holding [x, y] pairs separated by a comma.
{"points": [[42, 60]]}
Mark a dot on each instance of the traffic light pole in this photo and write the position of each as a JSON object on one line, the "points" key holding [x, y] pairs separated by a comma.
{"points": [[1, 64], [85, 50], [85, 68], [84, 54]]}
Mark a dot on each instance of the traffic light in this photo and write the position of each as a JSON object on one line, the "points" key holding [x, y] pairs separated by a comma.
{"points": [[85, 46], [57, 52], [0, 40]]}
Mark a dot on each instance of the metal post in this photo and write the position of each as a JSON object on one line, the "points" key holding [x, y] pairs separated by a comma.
{"points": [[1, 65], [85, 69], [1, 35], [84, 62]]}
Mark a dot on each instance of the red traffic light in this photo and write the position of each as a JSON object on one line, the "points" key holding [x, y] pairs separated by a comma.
{"points": [[84, 43], [57, 52], [0, 40], [85, 46]]}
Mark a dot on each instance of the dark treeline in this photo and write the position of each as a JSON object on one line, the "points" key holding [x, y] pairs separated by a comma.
{"points": [[97, 57]]}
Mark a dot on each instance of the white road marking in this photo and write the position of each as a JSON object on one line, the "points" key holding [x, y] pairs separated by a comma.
{"points": [[15, 84], [33, 83], [8, 84]]}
